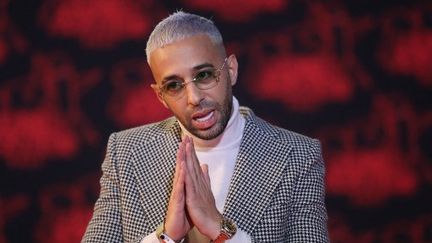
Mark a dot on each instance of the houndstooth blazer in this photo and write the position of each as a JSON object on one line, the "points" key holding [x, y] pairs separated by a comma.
{"points": [[276, 192]]}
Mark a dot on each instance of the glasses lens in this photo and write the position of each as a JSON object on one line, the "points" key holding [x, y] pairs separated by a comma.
{"points": [[206, 79], [172, 88]]}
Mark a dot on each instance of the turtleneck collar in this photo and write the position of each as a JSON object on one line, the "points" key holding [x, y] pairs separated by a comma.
{"points": [[231, 136]]}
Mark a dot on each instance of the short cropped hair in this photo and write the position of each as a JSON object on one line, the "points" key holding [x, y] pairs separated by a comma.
{"points": [[178, 26]]}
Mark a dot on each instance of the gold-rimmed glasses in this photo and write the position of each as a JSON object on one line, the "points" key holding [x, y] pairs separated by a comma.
{"points": [[206, 78]]}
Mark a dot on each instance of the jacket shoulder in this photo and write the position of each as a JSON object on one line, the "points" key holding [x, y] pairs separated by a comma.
{"points": [[146, 133], [278, 133]]}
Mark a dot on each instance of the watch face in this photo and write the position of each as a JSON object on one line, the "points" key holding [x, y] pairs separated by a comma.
{"points": [[229, 226]]}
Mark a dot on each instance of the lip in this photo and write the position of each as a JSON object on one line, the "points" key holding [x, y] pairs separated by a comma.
{"points": [[206, 124], [200, 114]]}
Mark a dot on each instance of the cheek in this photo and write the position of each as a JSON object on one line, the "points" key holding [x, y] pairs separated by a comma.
{"points": [[221, 91], [177, 108], [224, 91]]}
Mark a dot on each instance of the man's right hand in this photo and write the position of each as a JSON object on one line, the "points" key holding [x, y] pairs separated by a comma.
{"points": [[177, 224]]}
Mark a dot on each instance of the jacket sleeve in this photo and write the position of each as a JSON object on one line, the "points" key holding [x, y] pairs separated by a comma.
{"points": [[308, 218], [105, 225]]}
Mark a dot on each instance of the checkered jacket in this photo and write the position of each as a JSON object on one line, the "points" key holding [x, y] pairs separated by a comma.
{"points": [[276, 192]]}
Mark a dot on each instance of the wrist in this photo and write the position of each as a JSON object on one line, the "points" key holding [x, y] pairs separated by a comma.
{"points": [[165, 237], [215, 227]]}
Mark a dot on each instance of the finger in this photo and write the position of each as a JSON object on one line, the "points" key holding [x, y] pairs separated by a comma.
{"points": [[188, 158], [178, 193], [179, 160], [179, 157], [205, 172], [191, 177], [177, 167], [181, 180], [191, 156]]}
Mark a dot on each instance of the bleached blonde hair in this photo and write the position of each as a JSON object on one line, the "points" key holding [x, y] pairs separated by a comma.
{"points": [[181, 25]]}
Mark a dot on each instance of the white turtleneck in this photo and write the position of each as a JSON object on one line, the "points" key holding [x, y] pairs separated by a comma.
{"points": [[220, 155]]}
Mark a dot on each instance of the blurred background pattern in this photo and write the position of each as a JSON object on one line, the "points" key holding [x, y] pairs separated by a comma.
{"points": [[355, 74]]}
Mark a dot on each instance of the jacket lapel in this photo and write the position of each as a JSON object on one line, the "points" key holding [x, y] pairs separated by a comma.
{"points": [[258, 170], [154, 167]]}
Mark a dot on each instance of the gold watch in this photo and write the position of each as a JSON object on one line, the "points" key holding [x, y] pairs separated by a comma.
{"points": [[228, 230]]}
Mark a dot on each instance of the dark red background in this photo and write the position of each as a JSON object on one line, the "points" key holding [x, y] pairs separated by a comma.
{"points": [[355, 74]]}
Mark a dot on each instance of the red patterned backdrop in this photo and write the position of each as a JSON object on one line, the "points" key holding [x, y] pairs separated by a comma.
{"points": [[355, 74]]}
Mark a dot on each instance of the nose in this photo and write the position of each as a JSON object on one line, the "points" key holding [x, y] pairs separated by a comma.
{"points": [[194, 95]]}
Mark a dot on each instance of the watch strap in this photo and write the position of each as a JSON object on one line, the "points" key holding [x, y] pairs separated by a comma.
{"points": [[166, 239], [161, 235], [221, 238], [228, 230]]}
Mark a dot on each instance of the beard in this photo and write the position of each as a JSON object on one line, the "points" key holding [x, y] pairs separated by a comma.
{"points": [[224, 109]]}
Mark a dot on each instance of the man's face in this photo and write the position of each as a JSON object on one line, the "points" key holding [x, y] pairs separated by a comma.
{"points": [[204, 113]]}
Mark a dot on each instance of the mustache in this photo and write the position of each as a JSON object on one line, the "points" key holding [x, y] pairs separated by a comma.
{"points": [[205, 104]]}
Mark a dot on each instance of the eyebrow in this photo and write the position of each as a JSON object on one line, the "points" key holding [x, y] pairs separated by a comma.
{"points": [[196, 68], [204, 65]]}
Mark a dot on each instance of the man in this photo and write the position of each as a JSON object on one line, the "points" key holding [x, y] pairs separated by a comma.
{"points": [[213, 172]]}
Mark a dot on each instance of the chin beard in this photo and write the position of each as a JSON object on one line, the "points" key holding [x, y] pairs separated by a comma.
{"points": [[209, 135], [219, 127]]}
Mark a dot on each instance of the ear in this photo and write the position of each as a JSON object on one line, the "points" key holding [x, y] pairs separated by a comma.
{"points": [[159, 95], [232, 68]]}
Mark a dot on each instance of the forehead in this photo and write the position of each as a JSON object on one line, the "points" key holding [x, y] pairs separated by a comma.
{"points": [[180, 57]]}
